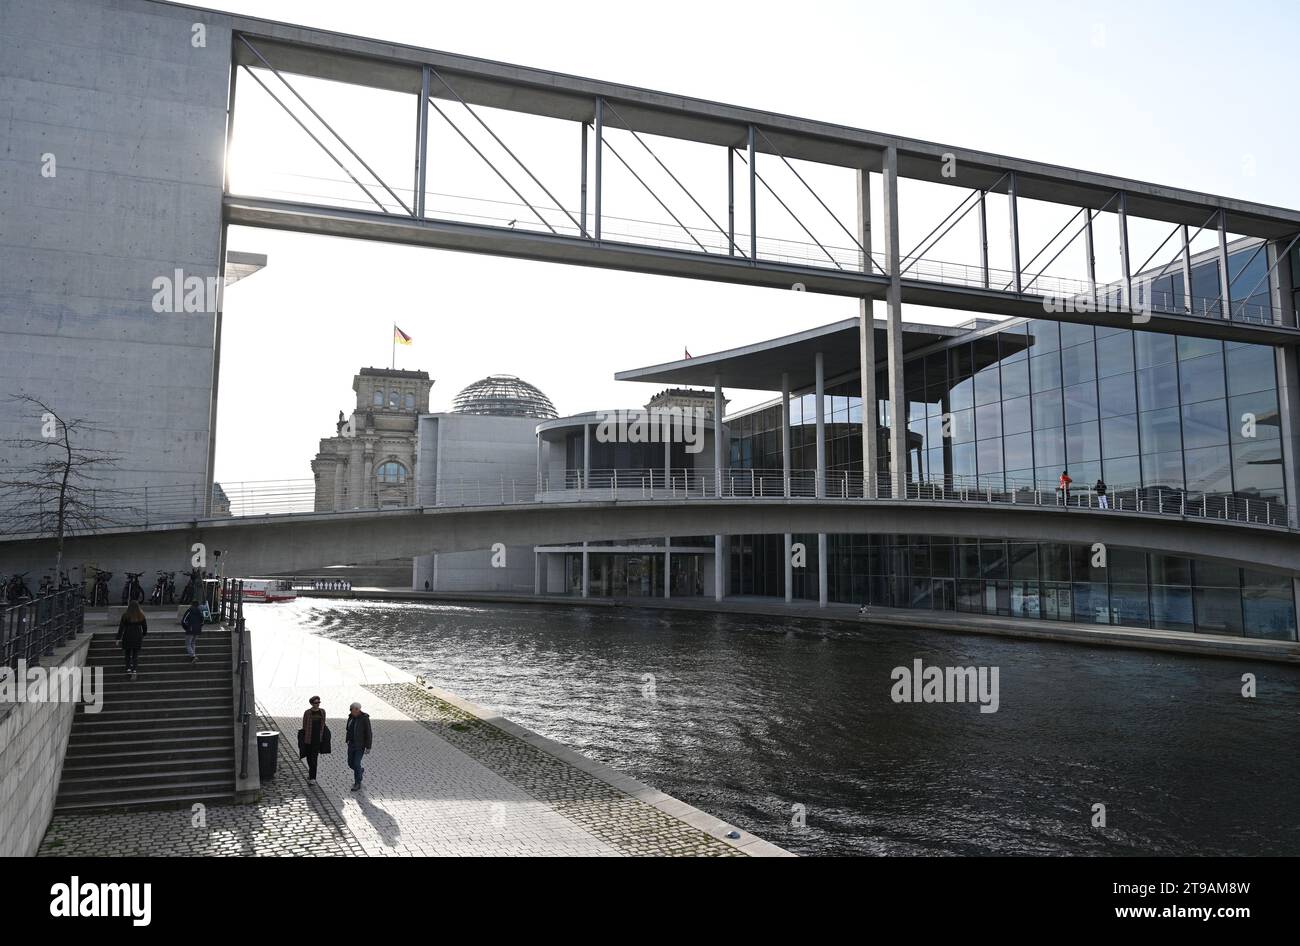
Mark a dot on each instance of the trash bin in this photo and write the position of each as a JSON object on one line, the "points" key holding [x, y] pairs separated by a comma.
{"points": [[268, 750]]}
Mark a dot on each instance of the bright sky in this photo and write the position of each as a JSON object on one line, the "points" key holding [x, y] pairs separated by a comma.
{"points": [[1187, 94]]}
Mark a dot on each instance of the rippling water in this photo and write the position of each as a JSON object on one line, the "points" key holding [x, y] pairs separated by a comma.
{"points": [[752, 716]]}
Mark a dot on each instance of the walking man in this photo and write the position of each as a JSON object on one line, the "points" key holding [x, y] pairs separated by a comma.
{"points": [[359, 741], [192, 622]]}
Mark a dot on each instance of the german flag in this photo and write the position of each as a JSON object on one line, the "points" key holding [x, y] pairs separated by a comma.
{"points": [[400, 337]]}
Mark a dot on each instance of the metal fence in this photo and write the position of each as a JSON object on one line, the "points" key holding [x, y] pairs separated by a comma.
{"points": [[33, 629]]}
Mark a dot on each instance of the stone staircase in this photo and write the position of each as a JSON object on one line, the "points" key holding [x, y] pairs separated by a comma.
{"points": [[164, 739]]}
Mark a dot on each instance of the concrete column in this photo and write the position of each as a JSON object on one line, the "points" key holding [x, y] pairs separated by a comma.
{"points": [[1187, 271], [1281, 286], [539, 462], [586, 569], [867, 367], [785, 431], [864, 217], [789, 568], [819, 399], [1225, 291], [894, 330], [1125, 265], [1013, 212], [717, 435], [586, 455], [538, 560], [822, 591], [668, 566], [984, 240], [1288, 397], [668, 463], [719, 566]]}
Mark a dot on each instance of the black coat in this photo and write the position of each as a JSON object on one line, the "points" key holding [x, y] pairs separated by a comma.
{"points": [[130, 634], [359, 733], [193, 619]]}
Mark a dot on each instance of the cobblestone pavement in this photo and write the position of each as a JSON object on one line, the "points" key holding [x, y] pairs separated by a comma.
{"points": [[290, 820], [628, 825]]}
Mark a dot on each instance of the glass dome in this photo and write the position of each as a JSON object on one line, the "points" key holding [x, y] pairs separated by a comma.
{"points": [[503, 395]]}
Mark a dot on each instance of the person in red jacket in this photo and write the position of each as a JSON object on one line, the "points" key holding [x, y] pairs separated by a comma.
{"points": [[1065, 486]]}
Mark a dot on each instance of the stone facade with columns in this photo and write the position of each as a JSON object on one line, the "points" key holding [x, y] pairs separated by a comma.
{"points": [[370, 461]]}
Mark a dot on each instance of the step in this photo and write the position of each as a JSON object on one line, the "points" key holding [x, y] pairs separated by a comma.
{"points": [[148, 795], [104, 726], [147, 800], [144, 694], [145, 749], [133, 732], [127, 776]]}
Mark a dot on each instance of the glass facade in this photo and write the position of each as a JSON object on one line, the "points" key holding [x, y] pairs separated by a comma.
{"points": [[1188, 419], [1049, 581]]}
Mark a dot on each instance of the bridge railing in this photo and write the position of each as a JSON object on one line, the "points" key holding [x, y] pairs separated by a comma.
{"points": [[33, 629]]}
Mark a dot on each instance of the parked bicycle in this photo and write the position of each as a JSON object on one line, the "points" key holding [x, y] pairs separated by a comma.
{"points": [[164, 589], [99, 592], [132, 591], [16, 590], [193, 586]]}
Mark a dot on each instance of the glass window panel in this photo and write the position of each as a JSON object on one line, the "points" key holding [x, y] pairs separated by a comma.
{"points": [[1015, 379], [1049, 448], [1163, 469], [1130, 604], [1171, 607], [1205, 289], [1153, 349], [1268, 603], [1048, 409], [1078, 364], [1190, 347], [1013, 344], [1075, 334], [1253, 417], [1218, 610], [1015, 416], [988, 421], [963, 459], [1201, 379], [1019, 451], [961, 362], [1160, 430], [1121, 473], [961, 395], [1251, 368], [1157, 387], [962, 426], [1082, 443], [1044, 336], [1117, 395], [1045, 371], [1081, 403], [993, 558], [1115, 354], [1170, 569], [1127, 565], [988, 388], [989, 456], [1119, 436], [1257, 469], [1204, 424]]}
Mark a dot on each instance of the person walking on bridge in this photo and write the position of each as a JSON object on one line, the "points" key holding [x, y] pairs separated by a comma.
{"points": [[131, 629], [360, 739], [312, 736]]}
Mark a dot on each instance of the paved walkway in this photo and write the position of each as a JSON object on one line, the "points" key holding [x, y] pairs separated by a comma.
{"points": [[445, 778]]}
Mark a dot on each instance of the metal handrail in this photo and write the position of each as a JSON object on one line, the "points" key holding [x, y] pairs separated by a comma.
{"points": [[232, 613], [33, 629]]}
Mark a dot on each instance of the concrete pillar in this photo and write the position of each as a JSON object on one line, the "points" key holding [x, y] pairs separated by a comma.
{"points": [[668, 566], [789, 568], [586, 455], [1225, 290], [822, 591], [1288, 398], [819, 399], [1013, 211], [1281, 286], [717, 435], [1126, 267], [719, 570], [539, 462], [894, 330], [668, 463], [538, 565], [867, 366], [1187, 271], [785, 431], [586, 570]]}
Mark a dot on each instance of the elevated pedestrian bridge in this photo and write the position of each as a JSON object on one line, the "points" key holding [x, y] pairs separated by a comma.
{"points": [[268, 535]]}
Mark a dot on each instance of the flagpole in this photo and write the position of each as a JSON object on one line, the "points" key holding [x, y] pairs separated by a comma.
{"points": [[393, 366]]}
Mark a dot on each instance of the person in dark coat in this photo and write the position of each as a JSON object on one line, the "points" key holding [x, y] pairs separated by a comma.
{"points": [[193, 624], [131, 630], [360, 739], [313, 734]]}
